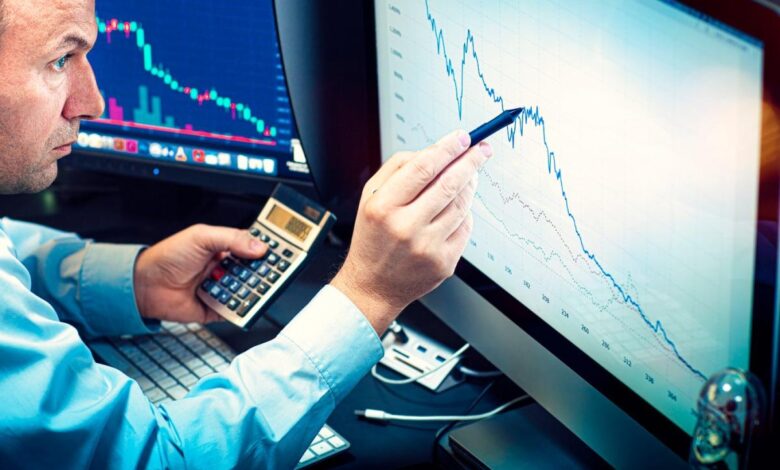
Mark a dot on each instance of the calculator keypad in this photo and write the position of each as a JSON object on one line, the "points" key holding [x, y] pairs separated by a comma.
{"points": [[239, 284]]}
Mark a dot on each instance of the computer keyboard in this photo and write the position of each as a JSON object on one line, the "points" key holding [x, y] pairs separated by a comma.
{"points": [[167, 364]]}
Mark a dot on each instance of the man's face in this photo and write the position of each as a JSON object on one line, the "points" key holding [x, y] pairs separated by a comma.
{"points": [[46, 87]]}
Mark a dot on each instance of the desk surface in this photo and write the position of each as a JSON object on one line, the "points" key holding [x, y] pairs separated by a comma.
{"points": [[107, 215]]}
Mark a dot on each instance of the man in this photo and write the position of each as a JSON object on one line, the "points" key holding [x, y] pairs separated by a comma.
{"points": [[62, 410]]}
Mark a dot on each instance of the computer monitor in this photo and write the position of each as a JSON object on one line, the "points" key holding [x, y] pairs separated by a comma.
{"points": [[194, 93], [616, 260]]}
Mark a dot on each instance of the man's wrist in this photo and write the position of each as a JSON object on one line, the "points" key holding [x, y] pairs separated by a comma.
{"points": [[378, 311]]}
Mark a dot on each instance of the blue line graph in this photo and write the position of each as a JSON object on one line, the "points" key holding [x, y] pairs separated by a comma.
{"points": [[533, 115]]}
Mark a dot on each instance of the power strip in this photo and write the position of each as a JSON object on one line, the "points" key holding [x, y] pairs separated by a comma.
{"points": [[419, 354]]}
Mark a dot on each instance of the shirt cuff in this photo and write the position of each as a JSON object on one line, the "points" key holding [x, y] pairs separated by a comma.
{"points": [[107, 292], [337, 338]]}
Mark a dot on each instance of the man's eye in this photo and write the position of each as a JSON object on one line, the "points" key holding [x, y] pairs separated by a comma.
{"points": [[60, 63]]}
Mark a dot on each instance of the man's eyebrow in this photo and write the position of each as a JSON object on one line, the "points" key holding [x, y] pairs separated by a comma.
{"points": [[75, 42]]}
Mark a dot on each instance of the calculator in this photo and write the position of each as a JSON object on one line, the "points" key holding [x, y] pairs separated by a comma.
{"points": [[292, 226]]}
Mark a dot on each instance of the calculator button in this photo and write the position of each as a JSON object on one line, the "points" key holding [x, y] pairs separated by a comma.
{"points": [[288, 253], [244, 274], [265, 238], [243, 292], [233, 304], [215, 291], [234, 286], [272, 259], [207, 285], [253, 281], [254, 232], [226, 263], [273, 244], [272, 277], [263, 270], [254, 264], [247, 305], [235, 270], [217, 273], [224, 297], [263, 288], [283, 265], [226, 280]]}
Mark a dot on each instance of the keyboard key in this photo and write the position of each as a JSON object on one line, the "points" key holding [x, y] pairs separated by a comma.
{"points": [[321, 448], [265, 238], [145, 383], [193, 363], [287, 253], [308, 455], [158, 375], [178, 372], [224, 297], [226, 263], [337, 442], [326, 433], [236, 269], [177, 392], [273, 244], [283, 265], [252, 281], [189, 380], [233, 303], [264, 269], [203, 371], [166, 383], [272, 259], [205, 334], [272, 277], [254, 232], [154, 395]]}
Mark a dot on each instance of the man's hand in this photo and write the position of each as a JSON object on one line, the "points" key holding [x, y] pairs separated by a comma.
{"points": [[168, 274], [413, 223]]}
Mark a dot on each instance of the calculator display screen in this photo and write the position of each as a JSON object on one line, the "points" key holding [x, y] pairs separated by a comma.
{"points": [[287, 221]]}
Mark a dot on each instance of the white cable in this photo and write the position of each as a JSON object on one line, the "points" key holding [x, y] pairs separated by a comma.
{"points": [[376, 375], [380, 415], [480, 374]]}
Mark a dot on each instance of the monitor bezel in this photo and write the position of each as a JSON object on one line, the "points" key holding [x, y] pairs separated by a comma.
{"points": [[754, 20]]}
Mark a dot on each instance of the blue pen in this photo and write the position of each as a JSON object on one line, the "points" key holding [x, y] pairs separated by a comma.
{"points": [[494, 125]]}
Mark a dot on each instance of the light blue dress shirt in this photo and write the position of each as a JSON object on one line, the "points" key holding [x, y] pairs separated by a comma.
{"points": [[59, 409]]}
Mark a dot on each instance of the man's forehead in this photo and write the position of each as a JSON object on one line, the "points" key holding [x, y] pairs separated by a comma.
{"points": [[52, 23]]}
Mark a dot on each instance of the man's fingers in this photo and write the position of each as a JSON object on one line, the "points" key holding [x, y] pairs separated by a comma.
{"points": [[456, 244], [452, 181], [385, 172], [414, 176], [215, 240], [452, 217]]}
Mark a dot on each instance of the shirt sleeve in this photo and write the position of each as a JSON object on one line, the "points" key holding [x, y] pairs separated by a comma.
{"points": [[90, 285], [62, 410]]}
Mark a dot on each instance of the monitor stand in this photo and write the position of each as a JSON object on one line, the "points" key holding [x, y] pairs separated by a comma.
{"points": [[528, 437]]}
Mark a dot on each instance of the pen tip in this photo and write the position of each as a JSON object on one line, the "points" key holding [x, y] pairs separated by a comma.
{"points": [[516, 111]]}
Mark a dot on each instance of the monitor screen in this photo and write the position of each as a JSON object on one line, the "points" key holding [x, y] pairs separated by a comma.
{"points": [[620, 207], [199, 87]]}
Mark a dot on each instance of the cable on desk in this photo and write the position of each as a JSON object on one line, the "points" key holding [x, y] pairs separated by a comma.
{"points": [[489, 374], [380, 415]]}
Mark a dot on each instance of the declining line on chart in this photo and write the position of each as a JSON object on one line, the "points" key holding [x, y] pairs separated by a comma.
{"points": [[532, 115], [237, 110]]}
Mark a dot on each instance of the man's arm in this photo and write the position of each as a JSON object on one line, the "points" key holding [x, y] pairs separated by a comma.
{"points": [[90, 285], [62, 410]]}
